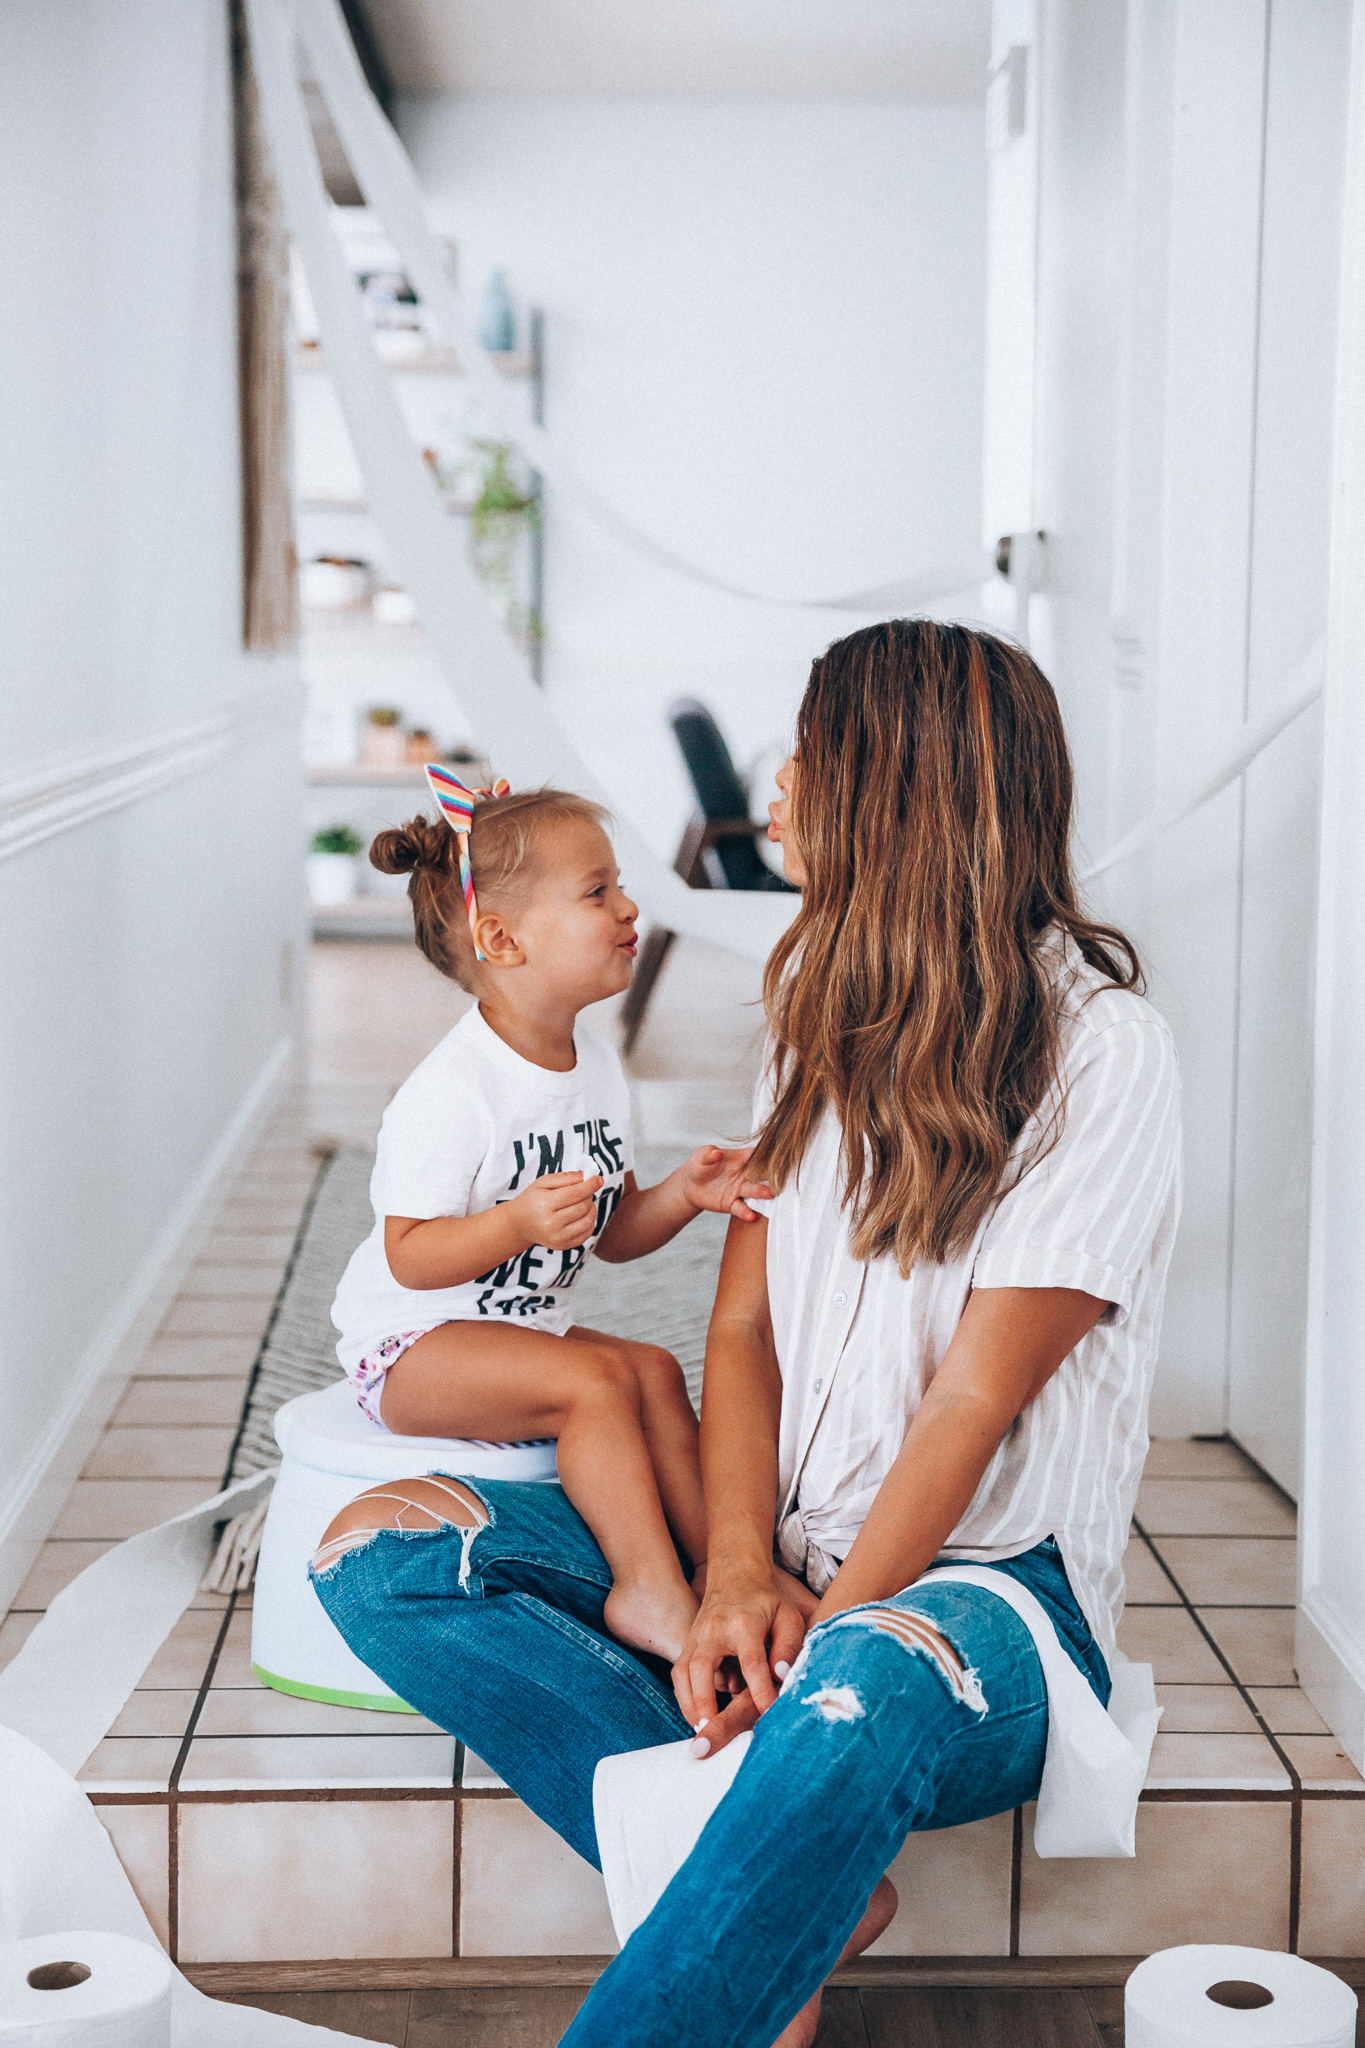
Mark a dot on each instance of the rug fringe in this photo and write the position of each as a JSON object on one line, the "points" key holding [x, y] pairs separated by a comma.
{"points": [[232, 1568]]}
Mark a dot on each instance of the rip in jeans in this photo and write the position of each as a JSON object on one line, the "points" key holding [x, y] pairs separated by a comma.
{"points": [[430, 1519], [915, 1633]]}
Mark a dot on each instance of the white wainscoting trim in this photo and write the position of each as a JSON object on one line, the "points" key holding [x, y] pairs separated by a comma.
{"points": [[96, 1386], [70, 789], [1330, 1659]]}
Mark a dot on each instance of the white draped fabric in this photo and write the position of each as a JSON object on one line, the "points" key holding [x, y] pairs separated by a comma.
{"points": [[516, 724]]}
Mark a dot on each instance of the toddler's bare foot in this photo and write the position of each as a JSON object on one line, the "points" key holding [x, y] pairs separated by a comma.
{"points": [[880, 1912], [653, 1618]]}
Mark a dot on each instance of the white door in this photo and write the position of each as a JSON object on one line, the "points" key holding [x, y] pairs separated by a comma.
{"points": [[1305, 120]]}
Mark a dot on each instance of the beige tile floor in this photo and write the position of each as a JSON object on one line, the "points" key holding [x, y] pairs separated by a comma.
{"points": [[242, 1815]]}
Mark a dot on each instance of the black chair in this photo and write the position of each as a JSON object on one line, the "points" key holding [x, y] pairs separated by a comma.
{"points": [[717, 850]]}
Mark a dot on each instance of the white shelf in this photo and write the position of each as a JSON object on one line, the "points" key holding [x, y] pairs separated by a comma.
{"points": [[432, 362], [364, 917], [456, 506], [367, 775]]}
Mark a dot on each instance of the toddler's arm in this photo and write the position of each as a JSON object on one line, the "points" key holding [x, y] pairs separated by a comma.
{"points": [[646, 1218], [558, 1211]]}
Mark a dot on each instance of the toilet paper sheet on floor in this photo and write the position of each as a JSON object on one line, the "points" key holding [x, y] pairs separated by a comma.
{"points": [[58, 1869], [75, 1674]]}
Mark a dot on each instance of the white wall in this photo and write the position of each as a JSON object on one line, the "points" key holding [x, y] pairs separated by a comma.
{"points": [[1330, 1637], [764, 343], [144, 1007], [1300, 264], [1188, 235]]}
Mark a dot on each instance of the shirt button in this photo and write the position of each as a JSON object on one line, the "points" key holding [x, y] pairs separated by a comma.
{"points": [[839, 1299], [818, 1385]]}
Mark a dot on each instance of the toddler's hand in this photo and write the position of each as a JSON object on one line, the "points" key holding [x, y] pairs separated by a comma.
{"points": [[713, 1179], [558, 1210]]}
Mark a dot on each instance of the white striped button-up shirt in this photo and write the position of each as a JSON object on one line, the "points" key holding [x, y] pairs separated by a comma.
{"points": [[858, 1345]]}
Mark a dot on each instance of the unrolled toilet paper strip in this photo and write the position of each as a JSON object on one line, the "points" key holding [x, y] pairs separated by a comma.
{"points": [[649, 1807], [74, 1675], [1167, 2003], [58, 1869], [84, 1988]]}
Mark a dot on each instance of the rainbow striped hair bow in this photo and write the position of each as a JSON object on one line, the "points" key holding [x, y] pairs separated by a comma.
{"points": [[457, 807]]}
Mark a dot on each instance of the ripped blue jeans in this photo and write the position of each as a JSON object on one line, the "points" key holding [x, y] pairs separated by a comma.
{"points": [[875, 1737]]}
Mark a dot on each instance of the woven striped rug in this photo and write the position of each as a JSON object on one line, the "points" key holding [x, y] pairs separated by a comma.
{"points": [[664, 1299]]}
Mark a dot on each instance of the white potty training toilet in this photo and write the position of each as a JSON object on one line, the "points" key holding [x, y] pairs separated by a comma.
{"points": [[330, 1453]]}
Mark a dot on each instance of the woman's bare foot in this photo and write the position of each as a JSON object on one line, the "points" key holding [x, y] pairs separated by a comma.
{"points": [[653, 1618], [879, 1913]]}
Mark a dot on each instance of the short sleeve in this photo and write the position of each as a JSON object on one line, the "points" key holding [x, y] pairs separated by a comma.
{"points": [[1087, 1212], [432, 1144]]}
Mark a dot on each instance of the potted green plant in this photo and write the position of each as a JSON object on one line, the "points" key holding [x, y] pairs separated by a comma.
{"points": [[334, 865], [384, 744], [503, 511]]}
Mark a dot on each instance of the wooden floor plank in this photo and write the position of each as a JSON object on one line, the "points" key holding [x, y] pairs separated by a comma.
{"points": [[841, 2021], [1106, 2010], [434, 1973], [527, 2017], [979, 2019], [373, 2015]]}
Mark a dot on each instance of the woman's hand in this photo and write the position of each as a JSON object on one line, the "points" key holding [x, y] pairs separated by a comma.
{"points": [[717, 1180], [754, 1623]]}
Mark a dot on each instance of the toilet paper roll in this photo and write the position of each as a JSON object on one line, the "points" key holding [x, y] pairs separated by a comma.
{"points": [[84, 1989], [1214, 1996]]}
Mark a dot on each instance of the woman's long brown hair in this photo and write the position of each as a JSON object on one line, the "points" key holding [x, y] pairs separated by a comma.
{"points": [[931, 807]]}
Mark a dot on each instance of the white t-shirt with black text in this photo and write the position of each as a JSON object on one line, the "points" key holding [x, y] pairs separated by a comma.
{"points": [[473, 1126]]}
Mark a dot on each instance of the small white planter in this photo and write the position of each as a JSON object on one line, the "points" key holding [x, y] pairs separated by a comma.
{"points": [[333, 586], [333, 877]]}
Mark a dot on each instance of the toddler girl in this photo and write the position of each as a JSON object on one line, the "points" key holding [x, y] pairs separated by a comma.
{"points": [[502, 1162]]}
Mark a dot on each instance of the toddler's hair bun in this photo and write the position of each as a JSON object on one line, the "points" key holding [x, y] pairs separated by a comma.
{"points": [[418, 844]]}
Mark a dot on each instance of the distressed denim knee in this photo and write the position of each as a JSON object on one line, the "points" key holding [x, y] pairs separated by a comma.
{"points": [[420, 1507], [912, 1632]]}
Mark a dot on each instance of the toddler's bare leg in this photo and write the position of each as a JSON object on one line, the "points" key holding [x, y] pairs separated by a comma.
{"points": [[489, 1380], [670, 1429]]}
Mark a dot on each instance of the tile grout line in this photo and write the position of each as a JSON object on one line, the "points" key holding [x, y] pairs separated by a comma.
{"points": [[458, 1824], [173, 1786], [1295, 1781], [172, 1879], [309, 1203]]}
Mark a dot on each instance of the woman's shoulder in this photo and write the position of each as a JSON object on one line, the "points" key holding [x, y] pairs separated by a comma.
{"points": [[1089, 1005], [1118, 1040]]}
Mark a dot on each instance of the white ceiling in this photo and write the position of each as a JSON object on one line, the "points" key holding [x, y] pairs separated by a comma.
{"points": [[930, 52]]}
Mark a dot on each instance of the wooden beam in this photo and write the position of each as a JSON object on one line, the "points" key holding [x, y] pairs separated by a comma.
{"points": [[870, 1973]]}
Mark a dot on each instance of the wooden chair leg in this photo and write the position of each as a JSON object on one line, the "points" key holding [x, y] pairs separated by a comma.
{"points": [[655, 950]]}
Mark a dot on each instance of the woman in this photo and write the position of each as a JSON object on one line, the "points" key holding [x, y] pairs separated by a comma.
{"points": [[937, 1347]]}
